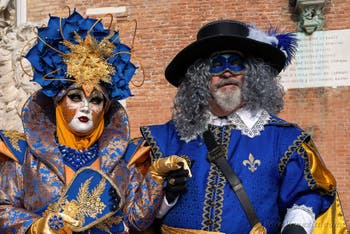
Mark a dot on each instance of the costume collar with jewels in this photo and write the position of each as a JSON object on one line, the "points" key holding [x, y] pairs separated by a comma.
{"points": [[77, 159]]}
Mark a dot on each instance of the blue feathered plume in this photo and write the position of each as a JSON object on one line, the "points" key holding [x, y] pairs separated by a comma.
{"points": [[287, 43]]}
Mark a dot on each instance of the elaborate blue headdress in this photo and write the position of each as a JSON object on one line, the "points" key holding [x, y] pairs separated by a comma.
{"points": [[80, 50]]}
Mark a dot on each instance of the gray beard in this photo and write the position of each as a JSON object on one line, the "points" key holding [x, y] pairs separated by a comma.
{"points": [[228, 100]]}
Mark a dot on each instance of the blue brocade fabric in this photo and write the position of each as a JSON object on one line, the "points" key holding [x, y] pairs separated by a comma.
{"points": [[77, 159]]}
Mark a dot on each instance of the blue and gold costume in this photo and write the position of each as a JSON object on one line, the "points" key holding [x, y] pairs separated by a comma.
{"points": [[52, 170], [34, 176], [297, 177]]}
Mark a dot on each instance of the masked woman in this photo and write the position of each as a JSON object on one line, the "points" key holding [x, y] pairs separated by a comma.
{"points": [[66, 173]]}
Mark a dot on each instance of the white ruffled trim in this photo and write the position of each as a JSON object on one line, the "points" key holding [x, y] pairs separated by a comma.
{"points": [[250, 123], [249, 118], [257, 122], [300, 215]]}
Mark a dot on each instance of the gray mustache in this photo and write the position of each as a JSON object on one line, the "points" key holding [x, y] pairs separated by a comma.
{"points": [[228, 82]]}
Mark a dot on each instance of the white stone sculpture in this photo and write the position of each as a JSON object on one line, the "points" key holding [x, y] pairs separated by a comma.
{"points": [[15, 84]]}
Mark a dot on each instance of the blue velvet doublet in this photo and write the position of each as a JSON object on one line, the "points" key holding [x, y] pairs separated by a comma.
{"points": [[273, 167]]}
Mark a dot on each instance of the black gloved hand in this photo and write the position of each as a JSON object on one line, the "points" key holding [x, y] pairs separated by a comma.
{"points": [[176, 183], [293, 229]]}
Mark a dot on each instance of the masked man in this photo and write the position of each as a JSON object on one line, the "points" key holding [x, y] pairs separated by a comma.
{"points": [[252, 172]]}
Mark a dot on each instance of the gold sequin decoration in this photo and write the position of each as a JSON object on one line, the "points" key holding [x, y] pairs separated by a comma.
{"points": [[87, 61], [87, 204], [14, 137]]}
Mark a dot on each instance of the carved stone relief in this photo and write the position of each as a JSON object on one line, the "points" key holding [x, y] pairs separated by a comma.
{"points": [[15, 84]]}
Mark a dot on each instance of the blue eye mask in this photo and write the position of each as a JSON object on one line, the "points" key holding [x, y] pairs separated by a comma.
{"points": [[232, 62]]}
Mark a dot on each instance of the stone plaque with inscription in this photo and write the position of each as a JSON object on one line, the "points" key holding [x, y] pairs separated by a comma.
{"points": [[322, 60]]}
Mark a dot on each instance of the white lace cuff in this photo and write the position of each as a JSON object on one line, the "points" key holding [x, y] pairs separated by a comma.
{"points": [[165, 207], [302, 216]]}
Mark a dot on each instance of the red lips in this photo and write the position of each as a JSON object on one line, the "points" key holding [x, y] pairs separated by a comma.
{"points": [[83, 119]]}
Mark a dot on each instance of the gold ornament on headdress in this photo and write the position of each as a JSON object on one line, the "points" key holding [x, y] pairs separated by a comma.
{"points": [[87, 61]]}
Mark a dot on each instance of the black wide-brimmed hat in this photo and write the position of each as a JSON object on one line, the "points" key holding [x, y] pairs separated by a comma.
{"points": [[225, 35]]}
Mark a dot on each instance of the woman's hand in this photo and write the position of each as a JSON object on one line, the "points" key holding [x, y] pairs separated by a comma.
{"points": [[53, 223]]}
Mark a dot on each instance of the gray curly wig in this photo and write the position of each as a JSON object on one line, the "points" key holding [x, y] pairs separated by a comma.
{"points": [[190, 113]]}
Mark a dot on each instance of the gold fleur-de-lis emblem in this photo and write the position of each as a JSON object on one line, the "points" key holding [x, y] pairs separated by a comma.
{"points": [[252, 163]]}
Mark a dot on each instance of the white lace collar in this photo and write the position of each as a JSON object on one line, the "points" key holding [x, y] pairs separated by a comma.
{"points": [[250, 123]]}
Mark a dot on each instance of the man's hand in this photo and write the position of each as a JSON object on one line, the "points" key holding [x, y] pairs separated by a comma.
{"points": [[176, 183], [162, 166], [293, 229]]}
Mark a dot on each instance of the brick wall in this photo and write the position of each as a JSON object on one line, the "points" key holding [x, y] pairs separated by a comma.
{"points": [[166, 26]]}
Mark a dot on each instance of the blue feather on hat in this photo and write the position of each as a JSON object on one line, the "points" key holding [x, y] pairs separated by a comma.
{"points": [[286, 42]]}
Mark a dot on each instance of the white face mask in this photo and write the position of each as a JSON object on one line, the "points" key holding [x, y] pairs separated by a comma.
{"points": [[82, 113]]}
